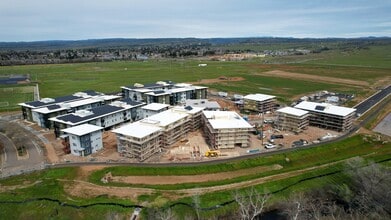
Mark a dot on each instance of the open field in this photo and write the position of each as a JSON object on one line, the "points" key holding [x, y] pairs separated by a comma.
{"points": [[63, 79], [11, 95]]}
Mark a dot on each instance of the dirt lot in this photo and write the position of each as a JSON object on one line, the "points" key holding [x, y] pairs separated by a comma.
{"points": [[220, 79], [315, 78], [191, 148]]}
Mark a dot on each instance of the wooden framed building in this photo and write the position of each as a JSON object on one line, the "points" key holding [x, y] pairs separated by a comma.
{"points": [[226, 129], [329, 116], [292, 119], [149, 136], [259, 103]]}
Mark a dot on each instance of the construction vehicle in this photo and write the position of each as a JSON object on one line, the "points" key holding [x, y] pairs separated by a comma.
{"points": [[212, 153]]}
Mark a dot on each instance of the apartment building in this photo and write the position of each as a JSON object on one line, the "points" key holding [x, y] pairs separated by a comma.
{"points": [[83, 140], [105, 116], [144, 138], [165, 92], [41, 115], [329, 116], [226, 129], [28, 107], [260, 103], [292, 119]]}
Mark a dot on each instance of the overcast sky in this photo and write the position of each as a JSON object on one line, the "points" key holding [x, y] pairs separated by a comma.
{"points": [[34, 20]]}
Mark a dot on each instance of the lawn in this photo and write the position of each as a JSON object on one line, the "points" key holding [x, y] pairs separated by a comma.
{"points": [[299, 159], [63, 79], [12, 95], [49, 187]]}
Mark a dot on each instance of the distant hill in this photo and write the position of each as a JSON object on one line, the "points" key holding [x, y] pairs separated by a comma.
{"points": [[115, 43]]}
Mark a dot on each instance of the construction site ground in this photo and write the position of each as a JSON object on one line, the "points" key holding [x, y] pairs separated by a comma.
{"points": [[191, 148]]}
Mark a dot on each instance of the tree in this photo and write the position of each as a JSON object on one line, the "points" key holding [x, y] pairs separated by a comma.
{"points": [[197, 204], [161, 214], [251, 203], [372, 184]]}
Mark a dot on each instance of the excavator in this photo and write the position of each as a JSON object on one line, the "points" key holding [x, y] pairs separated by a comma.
{"points": [[212, 153]]}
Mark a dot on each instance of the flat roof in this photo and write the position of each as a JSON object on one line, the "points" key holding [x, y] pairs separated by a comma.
{"points": [[202, 103], [137, 129], [166, 118], [50, 101], [258, 97], [155, 123], [98, 112], [293, 111], [226, 120], [83, 129], [74, 104], [325, 108], [149, 85], [155, 106], [188, 109]]}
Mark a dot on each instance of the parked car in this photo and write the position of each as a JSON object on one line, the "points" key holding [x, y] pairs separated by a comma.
{"points": [[276, 136], [269, 146]]}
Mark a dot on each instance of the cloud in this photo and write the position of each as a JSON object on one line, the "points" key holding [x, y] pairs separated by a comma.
{"points": [[71, 19]]}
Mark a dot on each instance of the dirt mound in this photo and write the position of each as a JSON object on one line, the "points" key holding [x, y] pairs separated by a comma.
{"points": [[315, 78], [218, 80]]}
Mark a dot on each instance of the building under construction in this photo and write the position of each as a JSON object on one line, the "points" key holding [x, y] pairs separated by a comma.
{"points": [[148, 136], [226, 129], [329, 116], [292, 119], [259, 103]]}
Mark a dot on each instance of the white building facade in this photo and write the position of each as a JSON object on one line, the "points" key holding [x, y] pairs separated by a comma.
{"points": [[83, 140]]}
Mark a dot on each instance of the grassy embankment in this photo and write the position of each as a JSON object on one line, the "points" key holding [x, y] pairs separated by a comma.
{"points": [[298, 159], [52, 188]]}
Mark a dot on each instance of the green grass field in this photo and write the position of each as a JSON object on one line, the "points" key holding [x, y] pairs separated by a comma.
{"points": [[12, 95], [299, 159], [64, 79]]}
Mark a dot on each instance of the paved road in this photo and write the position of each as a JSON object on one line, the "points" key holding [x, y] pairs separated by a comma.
{"points": [[11, 164], [367, 104], [384, 126], [9, 158]]}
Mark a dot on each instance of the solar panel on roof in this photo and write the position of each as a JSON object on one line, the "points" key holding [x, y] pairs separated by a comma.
{"points": [[319, 108], [35, 103], [131, 102], [70, 118], [52, 107], [90, 92], [189, 108], [66, 98], [104, 109]]}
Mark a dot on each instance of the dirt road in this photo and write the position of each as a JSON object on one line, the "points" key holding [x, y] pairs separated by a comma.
{"points": [[81, 188], [314, 78]]}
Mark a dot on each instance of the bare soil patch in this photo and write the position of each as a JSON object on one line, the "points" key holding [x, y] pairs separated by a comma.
{"points": [[167, 180], [85, 189], [315, 78], [218, 80]]}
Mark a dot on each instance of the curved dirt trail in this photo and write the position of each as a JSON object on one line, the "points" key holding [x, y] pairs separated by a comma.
{"points": [[80, 188]]}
